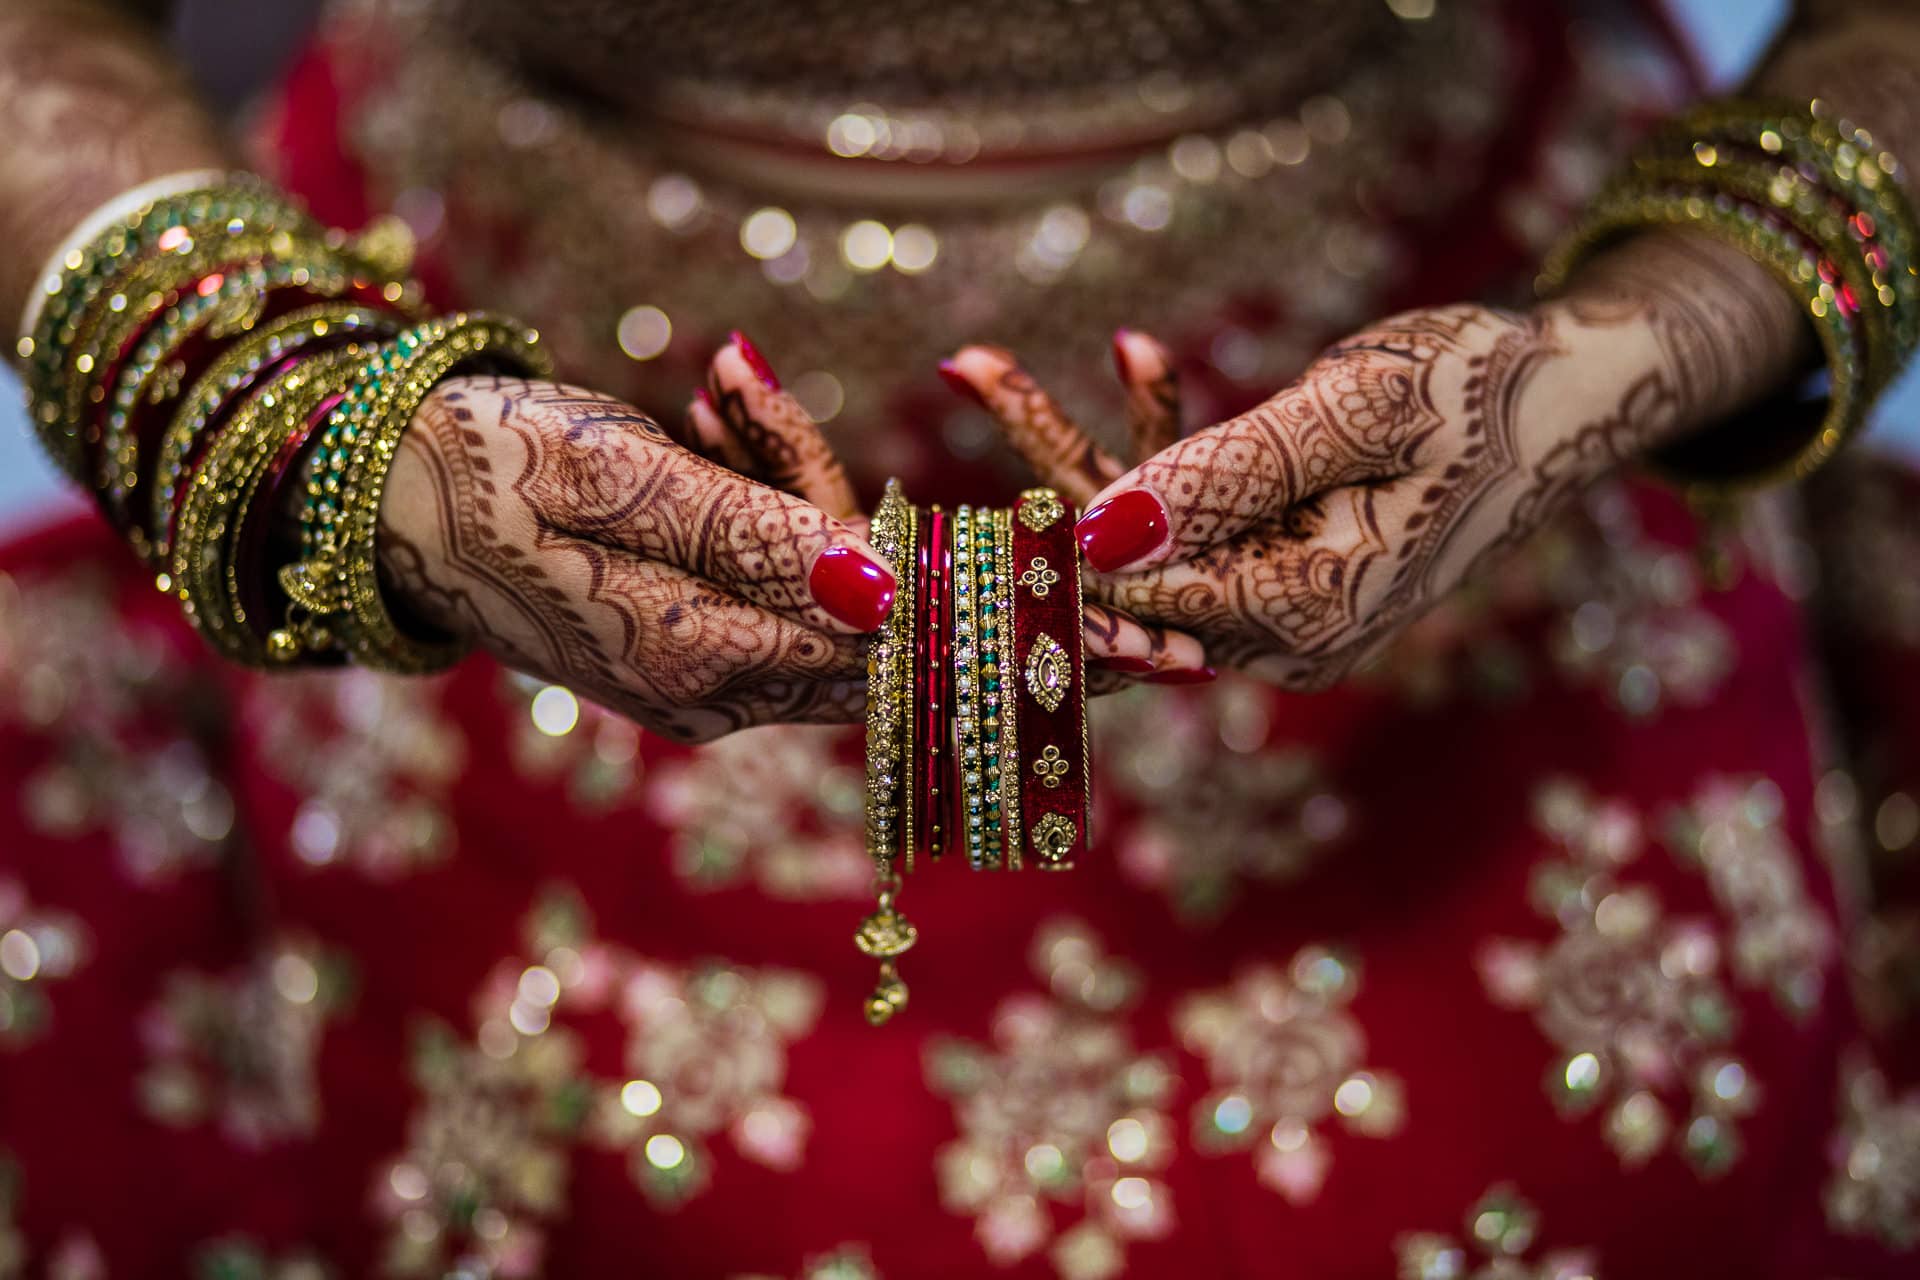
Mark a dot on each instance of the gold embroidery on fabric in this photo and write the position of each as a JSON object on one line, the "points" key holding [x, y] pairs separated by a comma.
{"points": [[1875, 1186], [374, 759], [37, 947], [1060, 1109], [1634, 1003], [778, 809], [706, 1056], [1283, 1054], [240, 1049], [1500, 1230], [73, 671], [1220, 805]]}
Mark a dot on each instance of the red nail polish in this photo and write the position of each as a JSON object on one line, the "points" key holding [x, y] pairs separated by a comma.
{"points": [[755, 361], [958, 381], [705, 397], [1184, 675], [1120, 365], [1124, 665], [1122, 529], [853, 588]]}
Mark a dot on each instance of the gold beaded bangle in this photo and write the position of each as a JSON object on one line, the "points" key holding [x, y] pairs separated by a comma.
{"points": [[885, 934], [84, 284], [340, 574], [968, 651], [1010, 780], [221, 490], [1624, 211], [226, 376]]}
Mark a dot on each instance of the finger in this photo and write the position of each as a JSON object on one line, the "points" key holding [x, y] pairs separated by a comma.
{"points": [[1310, 587], [1360, 414], [1059, 452], [716, 443], [787, 446], [599, 470], [1123, 644], [1153, 392]]}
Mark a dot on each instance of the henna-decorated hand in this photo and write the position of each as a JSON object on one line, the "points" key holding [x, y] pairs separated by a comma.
{"points": [[1298, 538], [565, 533], [745, 420]]}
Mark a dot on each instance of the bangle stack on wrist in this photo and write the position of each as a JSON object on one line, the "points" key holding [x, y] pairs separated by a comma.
{"points": [[1812, 199], [976, 704], [183, 358]]}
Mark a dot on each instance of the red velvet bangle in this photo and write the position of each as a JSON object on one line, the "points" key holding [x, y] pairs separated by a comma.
{"points": [[256, 527], [1050, 682], [930, 658], [148, 420]]}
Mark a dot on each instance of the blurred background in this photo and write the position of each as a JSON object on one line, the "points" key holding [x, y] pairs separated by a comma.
{"points": [[1728, 35]]}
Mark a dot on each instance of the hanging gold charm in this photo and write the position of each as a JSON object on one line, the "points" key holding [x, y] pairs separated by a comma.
{"points": [[884, 935]]}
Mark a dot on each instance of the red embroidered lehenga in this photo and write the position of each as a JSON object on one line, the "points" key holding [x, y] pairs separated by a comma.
{"points": [[1548, 948]]}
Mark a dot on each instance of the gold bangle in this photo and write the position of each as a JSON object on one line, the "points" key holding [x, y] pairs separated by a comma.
{"points": [[1008, 693], [222, 489], [1622, 212], [339, 572], [227, 376]]}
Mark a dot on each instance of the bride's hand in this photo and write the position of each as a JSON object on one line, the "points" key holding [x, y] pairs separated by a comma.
{"points": [[746, 421], [1297, 539], [565, 533]]}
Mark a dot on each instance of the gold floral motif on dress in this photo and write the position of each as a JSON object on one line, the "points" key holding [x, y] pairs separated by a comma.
{"points": [[1219, 805], [1059, 1111], [558, 736], [374, 759], [239, 1049], [1284, 1055], [1500, 1231], [706, 1056], [37, 947], [778, 808], [114, 701], [1635, 1003], [1874, 1189], [1732, 831]]}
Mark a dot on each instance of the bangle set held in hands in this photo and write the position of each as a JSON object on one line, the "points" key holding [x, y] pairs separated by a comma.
{"points": [[193, 356], [1812, 199], [976, 704]]}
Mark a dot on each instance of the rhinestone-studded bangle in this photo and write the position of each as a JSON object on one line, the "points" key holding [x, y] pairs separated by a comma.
{"points": [[337, 578]]}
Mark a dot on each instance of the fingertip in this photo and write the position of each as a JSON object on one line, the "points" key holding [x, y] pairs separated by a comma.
{"points": [[1120, 366], [1123, 529], [959, 384], [853, 585], [755, 362]]}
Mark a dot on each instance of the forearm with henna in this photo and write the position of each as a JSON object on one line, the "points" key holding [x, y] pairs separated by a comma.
{"points": [[90, 105]]}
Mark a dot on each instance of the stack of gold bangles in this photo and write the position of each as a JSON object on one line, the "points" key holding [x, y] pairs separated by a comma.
{"points": [[1813, 199], [976, 704], [205, 355]]}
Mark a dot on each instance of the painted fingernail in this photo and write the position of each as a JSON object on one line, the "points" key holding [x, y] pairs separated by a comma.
{"points": [[1124, 665], [705, 397], [1183, 675], [852, 587], [1120, 365], [951, 374], [1122, 529], [755, 361]]}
